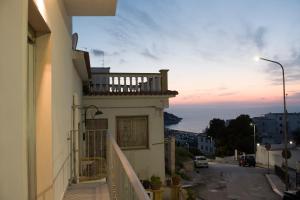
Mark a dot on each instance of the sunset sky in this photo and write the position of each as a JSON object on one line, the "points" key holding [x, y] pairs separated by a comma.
{"points": [[207, 45]]}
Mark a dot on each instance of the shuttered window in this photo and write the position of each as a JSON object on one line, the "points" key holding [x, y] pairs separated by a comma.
{"points": [[132, 132]]}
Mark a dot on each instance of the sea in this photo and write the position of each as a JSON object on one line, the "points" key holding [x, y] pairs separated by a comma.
{"points": [[196, 117]]}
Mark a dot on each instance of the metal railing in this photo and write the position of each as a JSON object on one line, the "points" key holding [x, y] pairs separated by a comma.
{"points": [[122, 181], [93, 155]]}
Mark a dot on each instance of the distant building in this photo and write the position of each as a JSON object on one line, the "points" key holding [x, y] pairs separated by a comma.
{"points": [[189, 140], [100, 77], [205, 144], [270, 126], [183, 138]]}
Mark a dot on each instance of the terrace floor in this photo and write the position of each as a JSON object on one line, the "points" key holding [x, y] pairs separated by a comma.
{"points": [[96, 190]]}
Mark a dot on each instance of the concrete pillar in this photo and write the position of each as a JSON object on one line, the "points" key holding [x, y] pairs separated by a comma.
{"points": [[164, 79]]}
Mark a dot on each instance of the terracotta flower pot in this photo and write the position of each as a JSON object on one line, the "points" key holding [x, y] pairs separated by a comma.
{"points": [[155, 186], [176, 180]]}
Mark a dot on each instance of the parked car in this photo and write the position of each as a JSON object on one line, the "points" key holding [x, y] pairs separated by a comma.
{"points": [[291, 195], [247, 161], [200, 161]]}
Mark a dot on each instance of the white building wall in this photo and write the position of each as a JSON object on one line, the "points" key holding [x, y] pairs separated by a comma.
{"points": [[146, 162], [65, 83], [13, 65], [275, 157], [56, 82], [207, 144]]}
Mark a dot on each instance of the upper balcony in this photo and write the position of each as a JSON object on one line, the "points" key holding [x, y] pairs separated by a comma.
{"points": [[91, 7], [106, 83]]}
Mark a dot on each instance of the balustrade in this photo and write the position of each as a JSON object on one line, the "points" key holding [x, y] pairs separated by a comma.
{"points": [[129, 82]]}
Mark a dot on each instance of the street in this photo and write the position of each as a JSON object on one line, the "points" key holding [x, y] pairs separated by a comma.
{"points": [[225, 181]]}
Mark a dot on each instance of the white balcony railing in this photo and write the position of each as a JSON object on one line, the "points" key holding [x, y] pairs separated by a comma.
{"points": [[129, 82], [122, 181]]}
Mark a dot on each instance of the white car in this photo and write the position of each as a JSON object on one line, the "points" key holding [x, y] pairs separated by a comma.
{"points": [[200, 161]]}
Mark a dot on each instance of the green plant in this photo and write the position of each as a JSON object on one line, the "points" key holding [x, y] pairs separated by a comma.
{"points": [[190, 194], [182, 155], [155, 182], [183, 176]]}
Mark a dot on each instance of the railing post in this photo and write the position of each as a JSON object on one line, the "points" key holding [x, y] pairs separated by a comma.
{"points": [[112, 83], [136, 84], [130, 84], [143, 84], [148, 86], [164, 79]]}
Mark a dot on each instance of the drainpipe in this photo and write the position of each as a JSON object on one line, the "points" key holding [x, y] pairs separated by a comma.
{"points": [[75, 145], [71, 138]]}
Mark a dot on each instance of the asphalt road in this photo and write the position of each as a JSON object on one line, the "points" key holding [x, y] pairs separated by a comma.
{"points": [[231, 182]]}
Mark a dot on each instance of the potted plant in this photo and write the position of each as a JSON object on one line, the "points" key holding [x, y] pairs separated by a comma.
{"points": [[176, 179], [155, 182], [146, 184]]}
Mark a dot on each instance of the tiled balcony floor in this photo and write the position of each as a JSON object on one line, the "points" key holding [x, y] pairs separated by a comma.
{"points": [[96, 190]]}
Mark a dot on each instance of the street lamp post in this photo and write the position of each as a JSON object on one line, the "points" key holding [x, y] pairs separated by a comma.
{"points": [[284, 118], [254, 139]]}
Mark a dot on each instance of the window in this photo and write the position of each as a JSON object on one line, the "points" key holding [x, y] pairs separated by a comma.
{"points": [[201, 147], [132, 132]]}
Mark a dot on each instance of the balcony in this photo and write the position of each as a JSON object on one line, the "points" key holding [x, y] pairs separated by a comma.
{"points": [[123, 183], [121, 180], [129, 84]]}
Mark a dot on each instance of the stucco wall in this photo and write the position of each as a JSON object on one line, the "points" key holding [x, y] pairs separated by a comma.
{"points": [[44, 161], [275, 157], [56, 82], [64, 83], [146, 162], [13, 55]]}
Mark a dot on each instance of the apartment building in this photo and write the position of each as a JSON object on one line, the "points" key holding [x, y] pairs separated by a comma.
{"points": [[205, 144], [270, 126]]}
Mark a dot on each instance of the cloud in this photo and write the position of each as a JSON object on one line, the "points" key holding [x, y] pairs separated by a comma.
{"points": [[295, 96], [140, 16], [146, 52], [227, 94], [222, 88], [253, 35], [97, 52], [259, 36], [121, 61], [291, 68], [295, 58]]}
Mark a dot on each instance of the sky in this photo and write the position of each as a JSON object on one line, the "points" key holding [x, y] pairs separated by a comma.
{"points": [[208, 46]]}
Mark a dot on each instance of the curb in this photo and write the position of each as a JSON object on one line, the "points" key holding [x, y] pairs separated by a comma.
{"points": [[273, 186]]}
